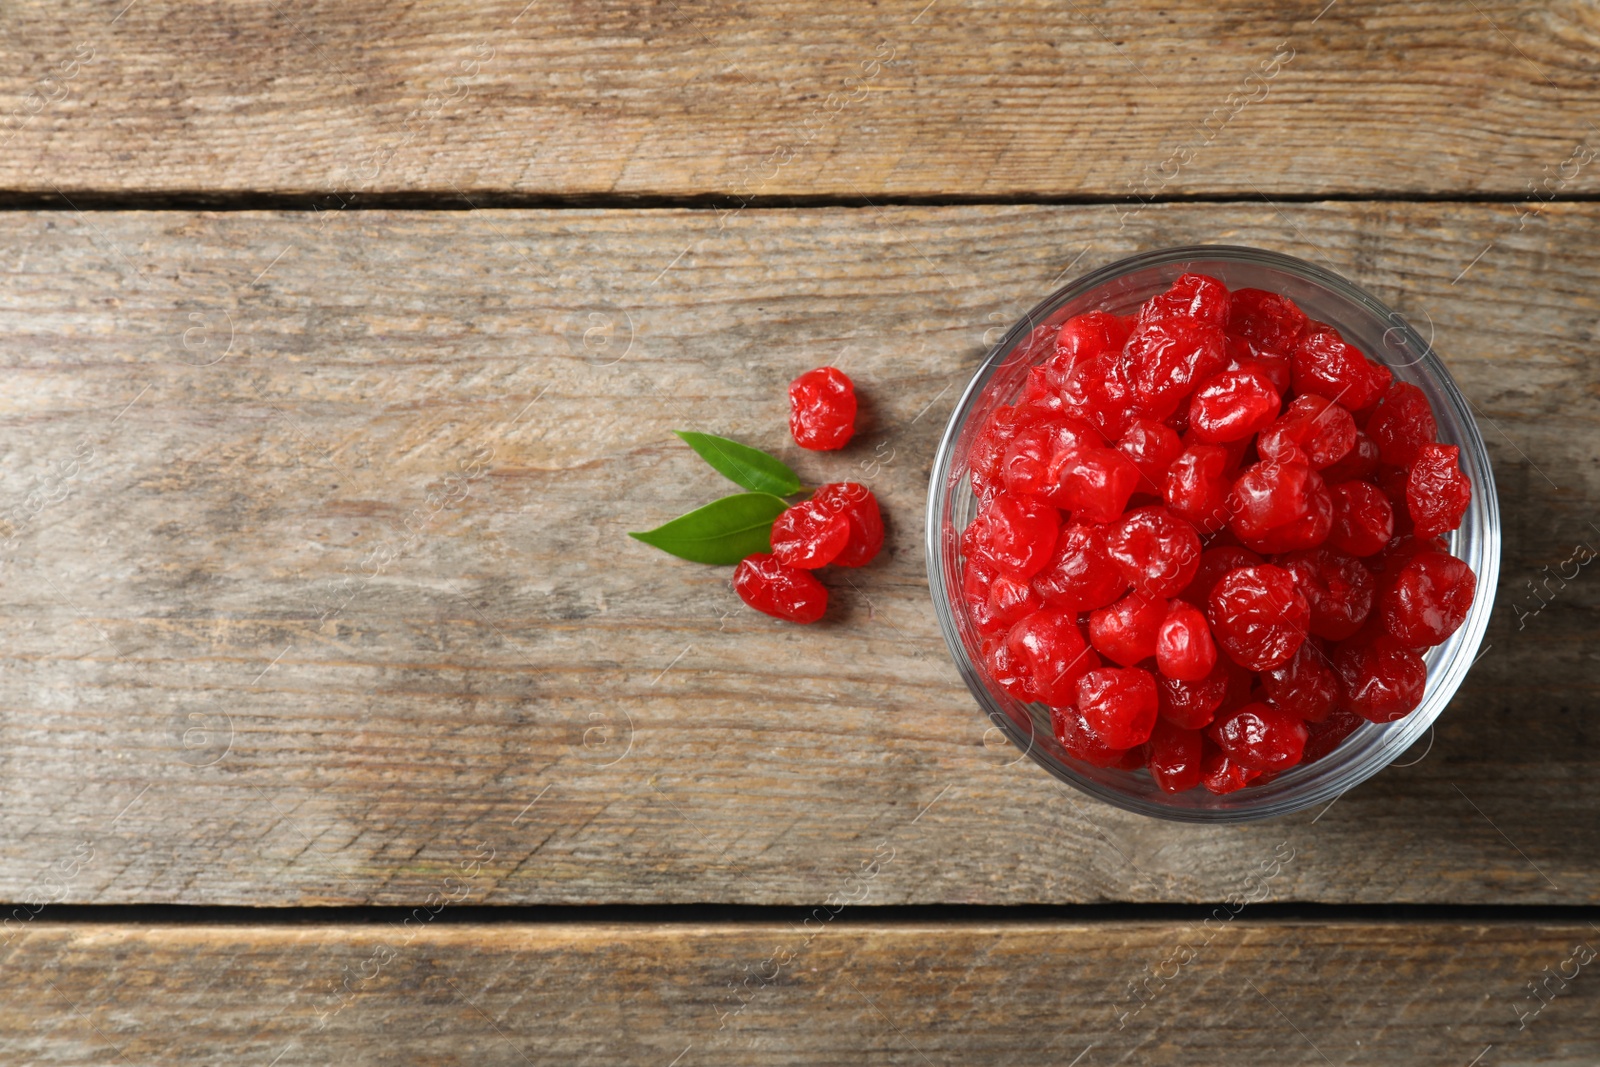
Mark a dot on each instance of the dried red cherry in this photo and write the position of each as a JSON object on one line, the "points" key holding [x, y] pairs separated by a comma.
{"points": [[1259, 616], [1034, 458], [809, 536], [1152, 446], [1428, 599], [1175, 755], [1192, 705], [1156, 551], [1198, 487], [1270, 321], [1050, 646], [1079, 739], [1017, 533], [1260, 737], [1125, 632], [1197, 297], [1325, 365], [1099, 393], [1363, 519], [1280, 507], [1184, 648], [860, 508], [1085, 337], [1096, 484], [1165, 359], [1119, 704], [1232, 405], [1221, 775], [822, 409], [1080, 576], [1305, 686], [782, 592], [1311, 429], [1402, 424], [1007, 670], [1381, 680], [1437, 493], [1338, 587]]}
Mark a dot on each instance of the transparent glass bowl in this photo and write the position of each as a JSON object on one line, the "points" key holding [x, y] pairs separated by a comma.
{"points": [[1366, 323]]}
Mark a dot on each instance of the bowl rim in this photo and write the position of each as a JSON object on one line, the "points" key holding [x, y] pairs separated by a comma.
{"points": [[1396, 737]]}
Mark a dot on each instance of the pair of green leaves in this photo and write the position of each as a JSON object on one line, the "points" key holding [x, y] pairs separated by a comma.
{"points": [[727, 530]]}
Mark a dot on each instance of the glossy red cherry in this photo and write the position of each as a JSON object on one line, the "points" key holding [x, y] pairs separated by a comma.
{"points": [[1080, 741], [1096, 484], [860, 509], [1098, 392], [1260, 737], [1338, 587], [1258, 616], [1437, 493], [1197, 298], [1165, 359], [1313, 430], [1221, 775], [1381, 680], [809, 536], [1192, 705], [986, 460], [1305, 686], [1083, 338], [1156, 551], [822, 409], [1033, 459], [1428, 599], [1270, 321], [1363, 519], [1050, 646], [1328, 367], [782, 592], [1280, 507], [1081, 575], [1402, 424], [1184, 648], [1018, 534], [1175, 755], [1152, 446], [1126, 632], [1119, 704], [1198, 487], [1233, 405], [1007, 670]]}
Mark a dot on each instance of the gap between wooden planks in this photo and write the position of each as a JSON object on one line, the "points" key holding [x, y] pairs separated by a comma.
{"points": [[317, 588]]}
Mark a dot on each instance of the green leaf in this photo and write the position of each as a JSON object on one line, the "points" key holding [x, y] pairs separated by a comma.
{"points": [[748, 468], [723, 532]]}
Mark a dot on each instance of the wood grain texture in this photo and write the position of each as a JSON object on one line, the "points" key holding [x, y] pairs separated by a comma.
{"points": [[316, 586], [1015, 993], [903, 98]]}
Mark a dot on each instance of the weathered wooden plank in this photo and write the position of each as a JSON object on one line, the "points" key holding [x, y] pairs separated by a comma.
{"points": [[259, 647], [1226, 990], [578, 98]]}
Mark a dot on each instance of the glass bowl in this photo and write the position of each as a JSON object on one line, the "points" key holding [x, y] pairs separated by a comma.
{"points": [[1366, 323]]}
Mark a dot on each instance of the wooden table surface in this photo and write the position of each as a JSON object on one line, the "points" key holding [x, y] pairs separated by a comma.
{"points": [[341, 723]]}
